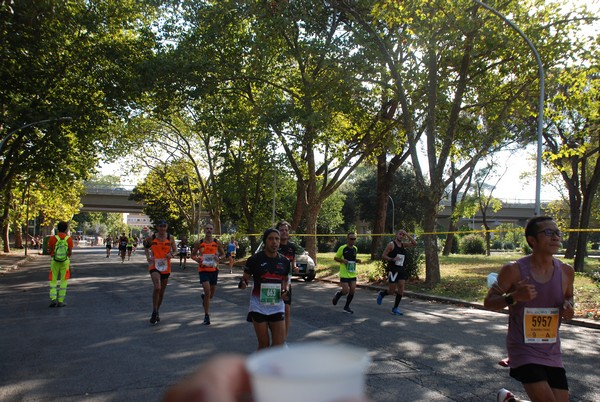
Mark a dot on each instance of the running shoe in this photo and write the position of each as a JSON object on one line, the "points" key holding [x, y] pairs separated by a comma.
{"points": [[397, 312], [206, 319], [336, 297], [61, 304], [379, 297], [347, 310], [52, 303], [505, 395], [157, 317], [154, 318]]}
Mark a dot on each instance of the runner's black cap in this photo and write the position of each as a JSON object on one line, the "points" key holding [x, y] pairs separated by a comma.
{"points": [[267, 233]]}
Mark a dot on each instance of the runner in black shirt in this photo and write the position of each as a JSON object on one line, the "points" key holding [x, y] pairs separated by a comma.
{"points": [[269, 271]]}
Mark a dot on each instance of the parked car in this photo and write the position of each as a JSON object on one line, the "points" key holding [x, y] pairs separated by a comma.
{"points": [[304, 263], [306, 267]]}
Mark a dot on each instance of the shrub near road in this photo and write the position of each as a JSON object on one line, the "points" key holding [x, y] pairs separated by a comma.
{"points": [[464, 278]]}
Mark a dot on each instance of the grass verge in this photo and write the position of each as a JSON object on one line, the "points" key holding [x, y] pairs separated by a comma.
{"points": [[464, 278]]}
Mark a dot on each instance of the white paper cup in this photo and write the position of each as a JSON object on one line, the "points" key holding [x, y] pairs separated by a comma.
{"points": [[314, 372]]}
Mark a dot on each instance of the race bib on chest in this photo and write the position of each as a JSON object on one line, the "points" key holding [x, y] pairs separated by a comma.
{"points": [[351, 266], [161, 264], [400, 261], [209, 260], [270, 293], [541, 324]]}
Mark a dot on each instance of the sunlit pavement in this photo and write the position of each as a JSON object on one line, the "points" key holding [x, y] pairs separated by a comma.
{"points": [[101, 347]]}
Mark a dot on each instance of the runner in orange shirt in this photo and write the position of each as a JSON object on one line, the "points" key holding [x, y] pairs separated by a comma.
{"points": [[160, 249], [207, 252]]}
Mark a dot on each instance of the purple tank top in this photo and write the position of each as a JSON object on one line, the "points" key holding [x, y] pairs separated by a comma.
{"points": [[550, 294]]}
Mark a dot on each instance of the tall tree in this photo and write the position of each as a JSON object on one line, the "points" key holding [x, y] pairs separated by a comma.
{"points": [[462, 89], [573, 145], [325, 116], [170, 195], [68, 69]]}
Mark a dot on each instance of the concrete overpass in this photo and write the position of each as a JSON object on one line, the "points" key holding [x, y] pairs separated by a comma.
{"points": [[99, 198], [116, 199], [513, 211]]}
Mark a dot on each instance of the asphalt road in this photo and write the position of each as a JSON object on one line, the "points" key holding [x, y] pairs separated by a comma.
{"points": [[100, 347]]}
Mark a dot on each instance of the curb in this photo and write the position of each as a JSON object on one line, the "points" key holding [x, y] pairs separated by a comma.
{"points": [[17, 264], [580, 322]]}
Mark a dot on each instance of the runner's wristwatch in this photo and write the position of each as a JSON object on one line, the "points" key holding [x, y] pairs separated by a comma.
{"points": [[509, 299]]}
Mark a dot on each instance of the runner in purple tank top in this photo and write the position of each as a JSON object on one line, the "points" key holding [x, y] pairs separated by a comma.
{"points": [[538, 290]]}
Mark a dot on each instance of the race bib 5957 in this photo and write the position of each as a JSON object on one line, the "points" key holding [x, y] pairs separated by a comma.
{"points": [[541, 324]]}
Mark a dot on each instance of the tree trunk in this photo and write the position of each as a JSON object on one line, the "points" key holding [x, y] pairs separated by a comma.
{"points": [[312, 213], [586, 212], [579, 262], [216, 217], [379, 224], [383, 191], [17, 230], [574, 219], [432, 262], [449, 239], [300, 204], [453, 223], [488, 238], [5, 238], [5, 226]]}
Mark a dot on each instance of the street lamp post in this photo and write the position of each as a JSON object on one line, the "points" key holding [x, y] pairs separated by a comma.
{"points": [[393, 207], [540, 120]]}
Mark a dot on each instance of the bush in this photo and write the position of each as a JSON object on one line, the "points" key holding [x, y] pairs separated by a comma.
{"points": [[326, 245], [497, 245], [472, 244], [509, 246], [364, 244], [525, 248]]}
